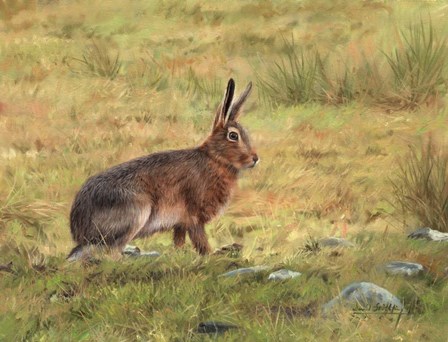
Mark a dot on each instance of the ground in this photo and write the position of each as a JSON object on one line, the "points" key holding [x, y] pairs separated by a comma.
{"points": [[88, 84]]}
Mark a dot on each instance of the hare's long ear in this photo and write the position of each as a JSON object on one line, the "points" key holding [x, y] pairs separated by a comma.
{"points": [[235, 110], [223, 108]]}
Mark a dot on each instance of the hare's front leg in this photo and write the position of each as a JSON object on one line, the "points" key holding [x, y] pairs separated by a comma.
{"points": [[179, 235], [199, 239]]}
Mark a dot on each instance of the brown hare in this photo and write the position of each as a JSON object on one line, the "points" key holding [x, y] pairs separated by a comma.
{"points": [[180, 190]]}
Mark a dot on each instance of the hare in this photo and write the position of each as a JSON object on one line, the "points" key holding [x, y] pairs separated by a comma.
{"points": [[180, 190]]}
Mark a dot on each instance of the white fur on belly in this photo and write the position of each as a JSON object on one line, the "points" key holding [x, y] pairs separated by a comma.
{"points": [[163, 219]]}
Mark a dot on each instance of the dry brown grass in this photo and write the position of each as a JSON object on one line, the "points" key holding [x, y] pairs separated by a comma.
{"points": [[324, 169]]}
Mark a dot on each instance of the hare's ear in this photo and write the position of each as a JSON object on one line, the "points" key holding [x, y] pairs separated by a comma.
{"points": [[235, 110], [223, 108]]}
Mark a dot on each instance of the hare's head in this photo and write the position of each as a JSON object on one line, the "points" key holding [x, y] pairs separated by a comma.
{"points": [[229, 141]]}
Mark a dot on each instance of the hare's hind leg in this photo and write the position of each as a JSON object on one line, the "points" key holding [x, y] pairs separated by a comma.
{"points": [[199, 239], [179, 235], [120, 225]]}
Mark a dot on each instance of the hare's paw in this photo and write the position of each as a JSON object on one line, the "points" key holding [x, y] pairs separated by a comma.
{"points": [[179, 233], [199, 240], [131, 250]]}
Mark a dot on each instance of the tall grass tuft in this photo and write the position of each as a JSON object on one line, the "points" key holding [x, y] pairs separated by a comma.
{"points": [[98, 60], [333, 87], [290, 80], [209, 90], [418, 67], [421, 186], [345, 83], [13, 207], [147, 73]]}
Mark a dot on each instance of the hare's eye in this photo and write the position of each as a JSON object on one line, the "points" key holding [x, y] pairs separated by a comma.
{"points": [[233, 136]]}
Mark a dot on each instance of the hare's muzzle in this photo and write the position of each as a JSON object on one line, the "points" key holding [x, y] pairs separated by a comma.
{"points": [[255, 160]]}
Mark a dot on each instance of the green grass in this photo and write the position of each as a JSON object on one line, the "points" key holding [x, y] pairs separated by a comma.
{"points": [[418, 73], [328, 149], [419, 65], [421, 188], [98, 61], [291, 80]]}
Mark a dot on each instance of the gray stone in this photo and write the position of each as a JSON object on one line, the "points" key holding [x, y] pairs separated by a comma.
{"points": [[404, 268], [136, 252], [283, 275], [428, 234], [131, 250], [335, 242], [152, 254], [247, 270], [364, 296], [229, 249]]}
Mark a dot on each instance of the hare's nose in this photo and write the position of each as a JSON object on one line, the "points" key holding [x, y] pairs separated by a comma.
{"points": [[255, 159]]}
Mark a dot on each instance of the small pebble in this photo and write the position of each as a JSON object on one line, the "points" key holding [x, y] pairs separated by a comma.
{"points": [[335, 242], [247, 270], [428, 234], [404, 268], [283, 275]]}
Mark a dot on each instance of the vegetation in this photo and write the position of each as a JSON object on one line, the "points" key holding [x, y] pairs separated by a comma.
{"points": [[292, 80], [419, 66], [421, 186], [97, 61], [88, 84], [418, 74]]}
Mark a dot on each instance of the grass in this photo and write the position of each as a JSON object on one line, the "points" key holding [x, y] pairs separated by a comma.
{"points": [[203, 89], [419, 65], [14, 208], [147, 73], [421, 187], [136, 299], [291, 80], [325, 170], [97, 60], [418, 74]]}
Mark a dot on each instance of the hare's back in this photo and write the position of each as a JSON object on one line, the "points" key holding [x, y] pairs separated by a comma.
{"points": [[163, 168]]}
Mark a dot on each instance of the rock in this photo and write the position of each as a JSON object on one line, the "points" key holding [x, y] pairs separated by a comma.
{"points": [[136, 252], [212, 327], [283, 275], [131, 250], [365, 296], [404, 268], [233, 248], [152, 254], [335, 242], [247, 270], [428, 234]]}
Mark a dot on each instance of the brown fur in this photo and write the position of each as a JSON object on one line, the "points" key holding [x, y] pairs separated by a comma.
{"points": [[180, 190]]}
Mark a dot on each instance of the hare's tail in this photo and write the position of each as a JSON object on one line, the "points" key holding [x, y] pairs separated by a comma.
{"points": [[76, 253]]}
